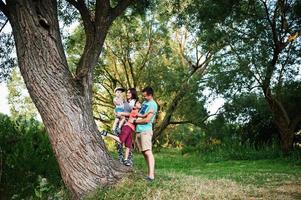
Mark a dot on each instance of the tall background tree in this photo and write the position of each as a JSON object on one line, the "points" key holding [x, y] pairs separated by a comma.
{"points": [[261, 52]]}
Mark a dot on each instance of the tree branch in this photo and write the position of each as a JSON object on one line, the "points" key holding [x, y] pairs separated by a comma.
{"points": [[93, 44], [271, 23], [102, 120], [285, 114], [104, 105], [115, 64], [132, 71], [110, 77], [259, 78], [3, 8], [283, 66], [84, 12], [103, 100], [195, 123], [211, 115], [198, 68], [3, 25], [182, 122], [150, 42], [126, 73], [129, 61], [101, 13], [122, 5], [185, 122]]}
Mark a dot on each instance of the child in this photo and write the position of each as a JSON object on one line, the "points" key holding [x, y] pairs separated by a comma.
{"points": [[126, 134], [119, 107]]}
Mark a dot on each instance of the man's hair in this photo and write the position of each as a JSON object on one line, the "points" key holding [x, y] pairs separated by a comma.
{"points": [[148, 90]]}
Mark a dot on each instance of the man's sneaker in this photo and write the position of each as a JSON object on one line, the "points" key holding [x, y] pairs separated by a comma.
{"points": [[131, 157], [103, 133], [127, 163], [148, 179]]}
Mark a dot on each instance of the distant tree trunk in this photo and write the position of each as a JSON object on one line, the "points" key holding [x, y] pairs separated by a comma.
{"points": [[169, 112], [197, 69], [287, 137], [282, 121], [63, 102]]}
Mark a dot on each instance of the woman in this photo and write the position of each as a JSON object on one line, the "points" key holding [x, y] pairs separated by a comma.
{"points": [[126, 134], [131, 98]]}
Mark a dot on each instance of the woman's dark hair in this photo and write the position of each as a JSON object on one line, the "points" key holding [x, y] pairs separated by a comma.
{"points": [[133, 91]]}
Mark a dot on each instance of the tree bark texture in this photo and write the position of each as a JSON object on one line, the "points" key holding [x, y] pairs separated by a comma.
{"points": [[64, 104]]}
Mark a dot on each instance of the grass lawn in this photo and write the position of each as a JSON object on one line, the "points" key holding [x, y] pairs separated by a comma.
{"points": [[188, 177]]}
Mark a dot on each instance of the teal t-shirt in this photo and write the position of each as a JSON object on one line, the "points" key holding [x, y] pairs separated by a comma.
{"points": [[145, 108]]}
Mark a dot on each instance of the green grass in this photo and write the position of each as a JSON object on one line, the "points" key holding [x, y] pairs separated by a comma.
{"points": [[189, 177]]}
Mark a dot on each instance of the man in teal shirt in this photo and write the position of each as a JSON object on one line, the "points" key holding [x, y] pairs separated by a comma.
{"points": [[144, 130]]}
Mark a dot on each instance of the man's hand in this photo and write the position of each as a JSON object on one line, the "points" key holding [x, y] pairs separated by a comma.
{"points": [[144, 115], [131, 120]]}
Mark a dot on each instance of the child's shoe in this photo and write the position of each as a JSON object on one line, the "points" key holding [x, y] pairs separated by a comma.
{"points": [[103, 133]]}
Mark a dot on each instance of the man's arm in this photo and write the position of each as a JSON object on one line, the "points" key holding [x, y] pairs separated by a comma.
{"points": [[145, 120], [144, 115]]}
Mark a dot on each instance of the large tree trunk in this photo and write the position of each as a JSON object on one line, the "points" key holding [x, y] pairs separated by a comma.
{"points": [[63, 105]]}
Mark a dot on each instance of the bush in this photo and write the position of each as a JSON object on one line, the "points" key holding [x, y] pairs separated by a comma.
{"points": [[26, 156], [213, 150]]}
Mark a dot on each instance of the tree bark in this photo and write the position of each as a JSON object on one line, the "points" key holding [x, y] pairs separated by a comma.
{"points": [[63, 105]]}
